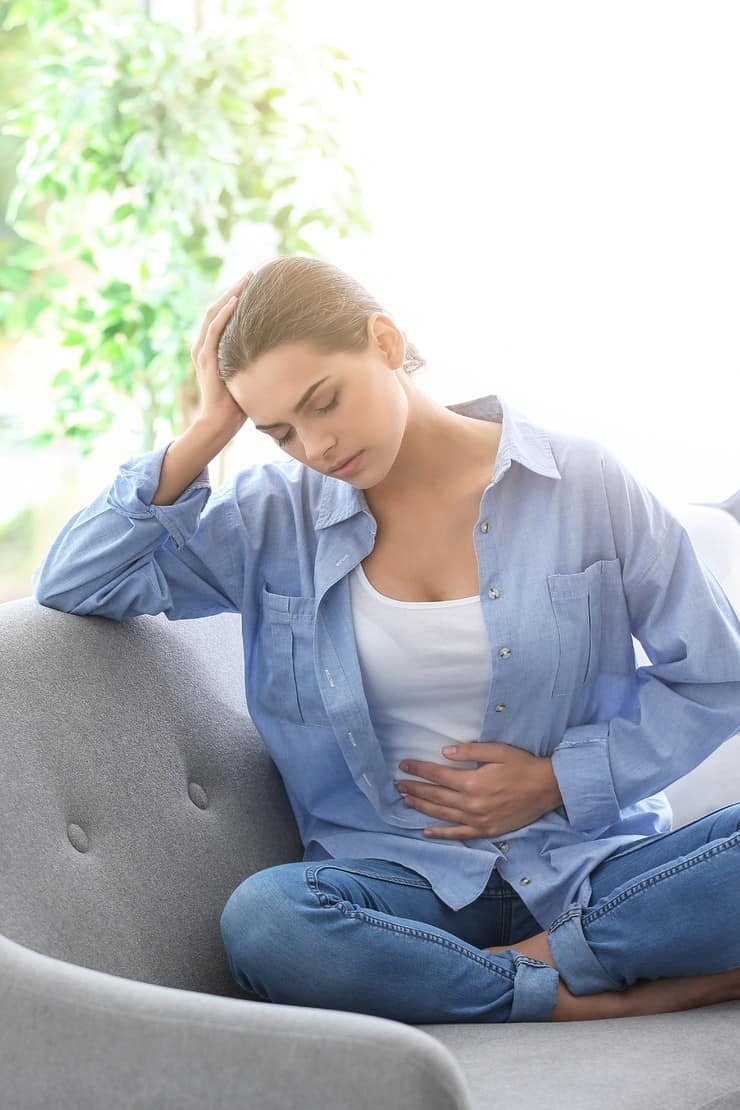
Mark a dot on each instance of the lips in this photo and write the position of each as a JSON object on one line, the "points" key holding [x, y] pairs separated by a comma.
{"points": [[341, 464]]}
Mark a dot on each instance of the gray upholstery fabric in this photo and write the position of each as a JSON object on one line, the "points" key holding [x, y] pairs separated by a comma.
{"points": [[135, 794]]}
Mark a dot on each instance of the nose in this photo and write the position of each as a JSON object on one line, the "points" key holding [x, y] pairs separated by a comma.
{"points": [[315, 450]]}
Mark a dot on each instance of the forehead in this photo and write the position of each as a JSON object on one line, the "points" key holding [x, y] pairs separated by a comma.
{"points": [[278, 381]]}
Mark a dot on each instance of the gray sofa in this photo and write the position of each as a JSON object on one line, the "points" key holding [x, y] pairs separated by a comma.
{"points": [[136, 794]]}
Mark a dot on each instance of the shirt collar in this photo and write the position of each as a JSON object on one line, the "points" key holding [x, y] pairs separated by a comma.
{"points": [[521, 441]]}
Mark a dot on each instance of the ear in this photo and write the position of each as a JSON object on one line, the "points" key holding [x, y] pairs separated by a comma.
{"points": [[389, 338]]}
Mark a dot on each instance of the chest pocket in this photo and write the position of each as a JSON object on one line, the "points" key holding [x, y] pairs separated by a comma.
{"points": [[593, 625], [288, 686]]}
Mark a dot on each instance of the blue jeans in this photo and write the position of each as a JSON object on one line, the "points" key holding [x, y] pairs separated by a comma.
{"points": [[372, 937]]}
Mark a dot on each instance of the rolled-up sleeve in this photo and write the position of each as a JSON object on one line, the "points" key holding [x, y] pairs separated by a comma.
{"points": [[688, 698], [121, 556]]}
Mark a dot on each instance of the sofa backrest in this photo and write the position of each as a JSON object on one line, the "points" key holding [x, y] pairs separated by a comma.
{"points": [[135, 792]]}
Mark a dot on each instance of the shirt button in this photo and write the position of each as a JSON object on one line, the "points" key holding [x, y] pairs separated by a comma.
{"points": [[505, 653], [525, 880], [504, 845], [493, 593], [484, 526], [500, 708]]}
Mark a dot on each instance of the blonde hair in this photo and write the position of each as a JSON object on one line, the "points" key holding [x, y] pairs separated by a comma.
{"points": [[300, 300]]}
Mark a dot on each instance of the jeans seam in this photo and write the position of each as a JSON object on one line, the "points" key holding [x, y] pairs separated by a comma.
{"points": [[420, 933], [644, 884], [326, 900], [573, 911]]}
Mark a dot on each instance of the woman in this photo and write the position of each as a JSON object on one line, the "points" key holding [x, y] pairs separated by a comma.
{"points": [[530, 875]]}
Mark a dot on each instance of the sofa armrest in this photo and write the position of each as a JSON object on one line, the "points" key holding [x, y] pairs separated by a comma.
{"points": [[77, 1039]]}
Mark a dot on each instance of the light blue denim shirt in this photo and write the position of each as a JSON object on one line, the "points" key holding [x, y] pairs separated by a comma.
{"points": [[575, 557]]}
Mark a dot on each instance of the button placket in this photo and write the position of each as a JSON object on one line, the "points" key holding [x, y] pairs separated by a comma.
{"points": [[494, 594]]}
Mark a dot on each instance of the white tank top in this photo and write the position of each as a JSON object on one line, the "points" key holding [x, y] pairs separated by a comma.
{"points": [[426, 670]]}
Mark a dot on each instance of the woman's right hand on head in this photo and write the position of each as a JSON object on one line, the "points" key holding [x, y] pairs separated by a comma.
{"points": [[217, 406]]}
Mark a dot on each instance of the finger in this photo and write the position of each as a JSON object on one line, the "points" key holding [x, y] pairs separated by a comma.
{"points": [[435, 772], [457, 832], [434, 809], [213, 310], [439, 795], [478, 750], [216, 326]]}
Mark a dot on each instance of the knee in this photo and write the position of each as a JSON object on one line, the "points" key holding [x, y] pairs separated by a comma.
{"points": [[256, 913]]}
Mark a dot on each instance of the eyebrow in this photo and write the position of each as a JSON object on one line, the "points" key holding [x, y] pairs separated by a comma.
{"points": [[303, 401]]}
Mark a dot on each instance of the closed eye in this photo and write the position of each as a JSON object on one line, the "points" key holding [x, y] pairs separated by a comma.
{"points": [[287, 438]]}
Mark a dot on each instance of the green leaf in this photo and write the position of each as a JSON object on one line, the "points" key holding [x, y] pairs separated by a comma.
{"points": [[41, 439], [211, 265], [280, 219], [31, 257], [54, 69], [29, 229], [13, 278], [56, 281], [33, 308], [19, 13], [303, 245], [123, 211], [84, 314], [117, 291]]}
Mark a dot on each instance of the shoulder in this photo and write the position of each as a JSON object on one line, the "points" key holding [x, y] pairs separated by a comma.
{"points": [[284, 488], [581, 458]]}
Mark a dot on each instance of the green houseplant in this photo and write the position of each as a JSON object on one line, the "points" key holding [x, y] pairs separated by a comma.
{"points": [[144, 149]]}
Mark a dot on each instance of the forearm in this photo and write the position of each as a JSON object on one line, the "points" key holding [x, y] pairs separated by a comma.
{"points": [[186, 456]]}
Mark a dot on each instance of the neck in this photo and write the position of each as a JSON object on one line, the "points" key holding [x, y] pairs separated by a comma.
{"points": [[439, 452]]}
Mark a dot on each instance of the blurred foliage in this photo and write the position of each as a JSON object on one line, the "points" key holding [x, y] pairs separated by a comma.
{"points": [[143, 150]]}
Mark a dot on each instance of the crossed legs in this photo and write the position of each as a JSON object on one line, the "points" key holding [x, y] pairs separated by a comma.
{"points": [[649, 996]]}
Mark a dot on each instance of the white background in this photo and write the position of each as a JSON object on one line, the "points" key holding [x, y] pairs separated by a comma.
{"points": [[554, 192]]}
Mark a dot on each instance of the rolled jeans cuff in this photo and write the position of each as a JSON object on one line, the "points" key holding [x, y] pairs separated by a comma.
{"points": [[579, 968], [535, 988]]}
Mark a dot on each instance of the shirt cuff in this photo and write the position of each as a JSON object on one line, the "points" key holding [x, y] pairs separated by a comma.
{"points": [[138, 480], [581, 766]]}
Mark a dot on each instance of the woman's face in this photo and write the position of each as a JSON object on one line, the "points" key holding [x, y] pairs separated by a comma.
{"points": [[347, 403]]}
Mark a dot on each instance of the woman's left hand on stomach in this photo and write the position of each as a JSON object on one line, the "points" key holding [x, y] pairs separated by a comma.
{"points": [[512, 789]]}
